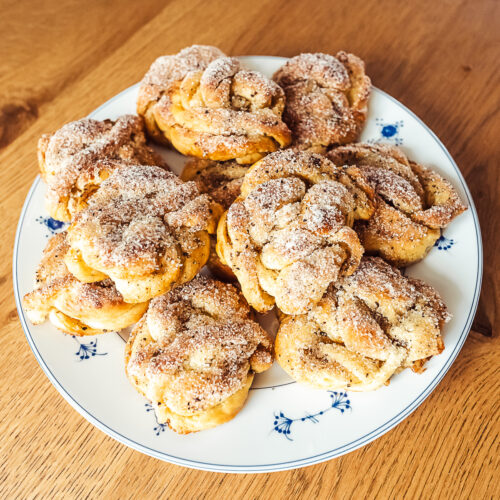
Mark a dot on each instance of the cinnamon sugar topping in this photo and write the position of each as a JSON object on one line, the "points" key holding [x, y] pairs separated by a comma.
{"points": [[288, 235], [200, 346], [326, 98], [136, 217], [82, 153]]}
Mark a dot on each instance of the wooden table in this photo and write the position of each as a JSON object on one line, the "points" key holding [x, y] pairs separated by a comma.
{"points": [[438, 58]]}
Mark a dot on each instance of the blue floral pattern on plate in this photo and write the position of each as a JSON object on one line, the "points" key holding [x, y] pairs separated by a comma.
{"points": [[158, 428], [388, 131], [443, 243], [282, 424], [87, 351], [54, 226]]}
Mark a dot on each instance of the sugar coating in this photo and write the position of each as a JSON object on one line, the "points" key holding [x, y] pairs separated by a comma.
{"points": [[288, 234], [326, 98], [138, 217], [197, 346], [78, 152]]}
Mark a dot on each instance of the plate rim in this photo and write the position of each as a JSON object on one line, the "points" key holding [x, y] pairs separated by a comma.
{"points": [[278, 466]]}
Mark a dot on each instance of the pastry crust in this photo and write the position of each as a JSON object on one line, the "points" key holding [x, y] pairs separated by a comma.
{"points": [[413, 202], [145, 229], [222, 180], [72, 306], [79, 156], [194, 353], [208, 106], [154, 92], [288, 235], [326, 99], [368, 326]]}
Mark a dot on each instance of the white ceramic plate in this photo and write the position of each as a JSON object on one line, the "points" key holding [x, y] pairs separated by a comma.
{"points": [[283, 425]]}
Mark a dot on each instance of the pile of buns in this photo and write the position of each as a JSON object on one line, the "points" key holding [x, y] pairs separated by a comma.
{"points": [[278, 199]]}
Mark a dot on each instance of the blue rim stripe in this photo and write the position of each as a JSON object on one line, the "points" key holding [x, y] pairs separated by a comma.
{"points": [[281, 465]]}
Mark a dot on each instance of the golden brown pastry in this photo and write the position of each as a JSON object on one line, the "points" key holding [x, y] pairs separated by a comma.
{"points": [[368, 326], [413, 202], [72, 306], [288, 235], [222, 180], [79, 156], [154, 99], [208, 106], [326, 99], [145, 229], [194, 354]]}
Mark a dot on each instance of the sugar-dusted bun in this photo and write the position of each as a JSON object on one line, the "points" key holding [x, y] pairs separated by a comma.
{"points": [[326, 99], [214, 109], [413, 202], [145, 229], [288, 235], [194, 353], [80, 155], [368, 326]]}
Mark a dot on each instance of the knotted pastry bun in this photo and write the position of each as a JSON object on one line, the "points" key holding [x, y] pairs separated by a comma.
{"points": [[79, 156], [367, 327], [145, 229], [288, 235], [72, 306], [216, 109], [326, 99], [222, 180], [194, 353], [413, 202], [154, 97]]}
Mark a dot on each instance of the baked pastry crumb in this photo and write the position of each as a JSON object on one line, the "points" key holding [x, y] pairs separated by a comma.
{"points": [[326, 99], [80, 155], [368, 326], [194, 353], [72, 306]]}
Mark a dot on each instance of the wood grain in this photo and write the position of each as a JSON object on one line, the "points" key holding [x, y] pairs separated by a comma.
{"points": [[438, 58]]}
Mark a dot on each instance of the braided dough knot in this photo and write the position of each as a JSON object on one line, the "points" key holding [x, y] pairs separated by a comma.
{"points": [[412, 202], [195, 352], [326, 98], [206, 105], [227, 112], [288, 235], [145, 229], [368, 326]]}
